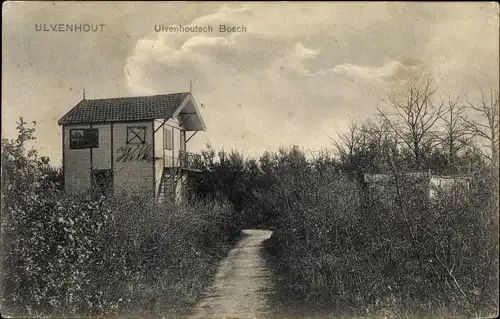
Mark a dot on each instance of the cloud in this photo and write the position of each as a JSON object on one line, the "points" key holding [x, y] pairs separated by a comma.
{"points": [[296, 74], [367, 73], [285, 75]]}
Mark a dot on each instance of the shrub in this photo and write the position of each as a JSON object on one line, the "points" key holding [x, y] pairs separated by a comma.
{"points": [[82, 255], [398, 252]]}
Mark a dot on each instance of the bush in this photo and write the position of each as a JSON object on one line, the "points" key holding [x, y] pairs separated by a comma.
{"points": [[78, 255], [400, 252]]}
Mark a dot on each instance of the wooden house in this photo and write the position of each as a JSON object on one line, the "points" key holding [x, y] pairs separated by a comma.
{"points": [[132, 145]]}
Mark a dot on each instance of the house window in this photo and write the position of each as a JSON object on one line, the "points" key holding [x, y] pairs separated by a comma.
{"points": [[136, 135], [77, 139], [84, 138], [168, 139]]}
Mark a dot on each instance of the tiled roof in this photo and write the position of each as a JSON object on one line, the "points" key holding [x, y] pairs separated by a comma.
{"points": [[124, 109]]}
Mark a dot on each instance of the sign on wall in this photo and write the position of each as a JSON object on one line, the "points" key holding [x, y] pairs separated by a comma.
{"points": [[135, 152]]}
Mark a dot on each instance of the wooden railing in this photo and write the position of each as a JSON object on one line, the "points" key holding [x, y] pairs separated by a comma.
{"points": [[190, 161]]}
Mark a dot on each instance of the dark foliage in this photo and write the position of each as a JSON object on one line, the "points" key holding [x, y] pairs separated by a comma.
{"points": [[68, 255]]}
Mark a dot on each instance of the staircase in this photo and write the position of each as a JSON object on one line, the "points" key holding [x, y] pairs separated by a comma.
{"points": [[171, 175], [168, 184]]}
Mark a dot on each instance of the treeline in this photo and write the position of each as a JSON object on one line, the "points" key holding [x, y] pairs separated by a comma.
{"points": [[400, 253], [85, 255]]}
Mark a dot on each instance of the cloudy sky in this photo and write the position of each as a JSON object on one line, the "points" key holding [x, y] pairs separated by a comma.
{"points": [[299, 73]]}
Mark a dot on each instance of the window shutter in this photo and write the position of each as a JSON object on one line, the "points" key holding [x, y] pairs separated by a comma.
{"points": [[92, 138], [182, 144], [168, 139]]}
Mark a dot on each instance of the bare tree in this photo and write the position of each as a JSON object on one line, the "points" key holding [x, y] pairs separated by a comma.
{"points": [[347, 144], [455, 136], [378, 133], [414, 115], [487, 126], [487, 129], [381, 140]]}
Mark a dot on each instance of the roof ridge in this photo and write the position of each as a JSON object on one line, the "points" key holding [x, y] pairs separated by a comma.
{"points": [[137, 96]]}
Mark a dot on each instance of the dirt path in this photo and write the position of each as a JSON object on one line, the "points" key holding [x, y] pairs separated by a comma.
{"points": [[241, 283]]}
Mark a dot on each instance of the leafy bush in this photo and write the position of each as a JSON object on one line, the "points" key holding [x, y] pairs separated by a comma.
{"points": [[400, 252], [79, 255]]}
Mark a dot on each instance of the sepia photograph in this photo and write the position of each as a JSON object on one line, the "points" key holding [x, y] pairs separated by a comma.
{"points": [[253, 160]]}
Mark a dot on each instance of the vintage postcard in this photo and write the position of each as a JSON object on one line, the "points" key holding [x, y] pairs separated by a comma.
{"points": [[249, 159]]}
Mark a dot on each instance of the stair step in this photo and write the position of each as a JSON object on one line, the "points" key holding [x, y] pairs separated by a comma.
{"points": [[169, 184]]}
